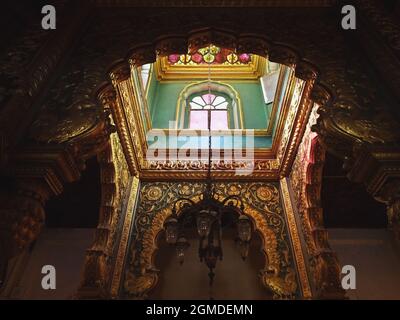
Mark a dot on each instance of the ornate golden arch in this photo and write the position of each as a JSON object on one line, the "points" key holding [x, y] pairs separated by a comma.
{"points": [[282, 286]]}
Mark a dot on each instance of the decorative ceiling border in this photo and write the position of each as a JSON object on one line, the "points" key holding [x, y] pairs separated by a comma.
{"points": [[168, 175], [270, 163], [253, 71]]}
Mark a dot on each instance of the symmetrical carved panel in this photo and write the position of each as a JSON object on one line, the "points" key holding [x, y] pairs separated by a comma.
{"points": [[262, 204]]}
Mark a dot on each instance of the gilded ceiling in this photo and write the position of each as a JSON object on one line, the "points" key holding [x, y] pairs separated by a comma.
{"points": [[268, 162]]}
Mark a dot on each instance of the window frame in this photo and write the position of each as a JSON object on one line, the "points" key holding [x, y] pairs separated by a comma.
{"points": [[228, 109], [235, 112]]}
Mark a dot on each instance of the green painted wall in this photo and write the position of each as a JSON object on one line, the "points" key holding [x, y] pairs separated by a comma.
{"points": [[162, 101], [202, 142], [254, 109], [151, 93], [163, 97]]}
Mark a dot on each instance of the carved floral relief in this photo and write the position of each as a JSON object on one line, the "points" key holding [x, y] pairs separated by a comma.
{"points": [[262, 204]]}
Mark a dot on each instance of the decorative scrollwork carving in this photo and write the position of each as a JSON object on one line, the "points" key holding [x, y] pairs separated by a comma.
{"points": [[282, 288], [142, 55], [119, 72], [114, 184], [306, 181], [22, 216], [171, 45], [75, 120], [284, 55], [155, 207]]}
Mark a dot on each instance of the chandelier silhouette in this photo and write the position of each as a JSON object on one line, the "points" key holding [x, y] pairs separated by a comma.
{"points": [[209, 215]]}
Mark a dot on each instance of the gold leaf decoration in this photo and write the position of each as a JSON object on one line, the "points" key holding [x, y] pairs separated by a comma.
{"points": [[262, 204]]}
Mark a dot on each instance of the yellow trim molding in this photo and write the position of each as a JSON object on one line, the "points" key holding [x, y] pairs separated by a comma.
{"points": [[294, 235], [252, 71], [123, 243]]}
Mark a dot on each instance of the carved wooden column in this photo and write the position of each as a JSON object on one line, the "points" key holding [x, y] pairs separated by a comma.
{"points": [[126, 116], [96, 269], [105, 258], [36, 174], [97, 272], [38, 170], [21, 218], [324, 260]]}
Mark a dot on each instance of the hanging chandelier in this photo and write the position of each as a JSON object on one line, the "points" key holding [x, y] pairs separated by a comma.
{"points": [[209, 215]]}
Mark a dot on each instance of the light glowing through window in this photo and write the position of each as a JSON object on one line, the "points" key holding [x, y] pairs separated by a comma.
{"points": [[202, 105]]}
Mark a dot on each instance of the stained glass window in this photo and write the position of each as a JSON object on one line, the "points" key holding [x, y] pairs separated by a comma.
{"points": [[210, 55], [208, 103]]}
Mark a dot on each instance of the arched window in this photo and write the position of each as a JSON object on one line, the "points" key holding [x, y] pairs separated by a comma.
{"points": [[209, 104], [217, 100]]}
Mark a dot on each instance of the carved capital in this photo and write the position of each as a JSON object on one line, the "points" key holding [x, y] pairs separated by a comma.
{"points": [[107, 96], [94, 141], [321, 95], [142, 55], [203, 38], [171, 45], [119, 72], [306, 71], [284, 55], [256, 45]]}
